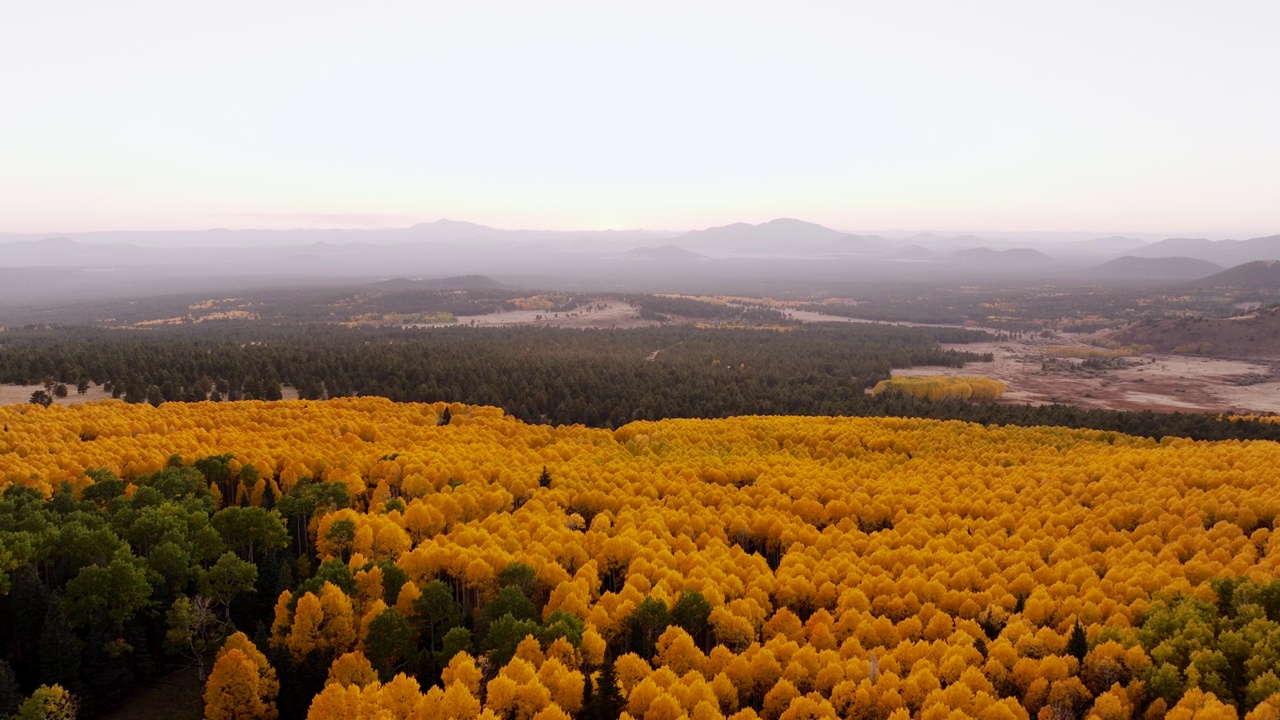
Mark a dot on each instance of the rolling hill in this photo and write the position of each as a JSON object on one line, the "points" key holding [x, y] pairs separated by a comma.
{"points": [[1256, 335], [1256, 275], [1222, 252], [776, 236], [1130, 267]]}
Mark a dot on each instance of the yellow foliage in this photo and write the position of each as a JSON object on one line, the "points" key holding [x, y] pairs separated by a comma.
{"points": [[462, 670], [942, 387], [236, 688], [850, 564], [352, 668]]}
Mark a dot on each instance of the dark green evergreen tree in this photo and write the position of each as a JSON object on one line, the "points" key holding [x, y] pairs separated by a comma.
{"points": [[605, 702], [389, 643], [1078, 643], [10, 694], [60, 649]]}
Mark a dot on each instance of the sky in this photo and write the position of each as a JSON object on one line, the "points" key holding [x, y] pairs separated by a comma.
{"points": [[985, 115]]}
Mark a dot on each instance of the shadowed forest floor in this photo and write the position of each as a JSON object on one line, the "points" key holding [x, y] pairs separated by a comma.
{"points": [[176, 697]]}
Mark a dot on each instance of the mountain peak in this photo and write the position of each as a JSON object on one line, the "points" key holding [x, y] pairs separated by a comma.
{"points": [[777, 236], [791, 222]]}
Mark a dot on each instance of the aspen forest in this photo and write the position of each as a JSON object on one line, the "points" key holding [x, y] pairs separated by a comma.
{"points": [[657, 360], [360, 558]]}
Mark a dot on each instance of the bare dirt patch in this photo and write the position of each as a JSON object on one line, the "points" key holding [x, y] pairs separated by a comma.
{"points": [[810, 316], [20, 394], [1037, 374], [613, 315], [1040, 371]]}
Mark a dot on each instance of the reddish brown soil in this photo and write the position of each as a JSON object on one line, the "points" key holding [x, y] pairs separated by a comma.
{"points": [[1152, 382]]}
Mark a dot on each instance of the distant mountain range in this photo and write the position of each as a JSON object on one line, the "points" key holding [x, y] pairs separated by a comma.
{"points": [[1222, 252], [780, 236], [783, 252], [784, 237], [790, 237]]}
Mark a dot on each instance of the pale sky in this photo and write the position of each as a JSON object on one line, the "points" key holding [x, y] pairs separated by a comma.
{"points": [[1132, 116]]}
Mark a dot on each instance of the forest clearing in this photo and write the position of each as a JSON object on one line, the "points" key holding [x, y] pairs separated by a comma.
{"points": [[1137, 381]]}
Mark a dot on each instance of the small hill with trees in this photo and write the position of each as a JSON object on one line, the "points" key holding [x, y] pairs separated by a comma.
{"points": [[1131, 267], [1256, 275], [1255, 335]]}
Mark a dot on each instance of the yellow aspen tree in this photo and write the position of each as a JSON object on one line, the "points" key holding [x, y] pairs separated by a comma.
{"points": [[565, 683], [305, 628], [630, 669], [48, 702], [338, 631], [283, 620], [593, 647], [562, 650], [779, 698], [517, 691], [409, 592], [336, 702], [399, 698], [552, 712], [1199, 705], [642, 696], [664, 707], [530, 650], [1268, 709], [268, 684], [363, 542], [809, 707], [677, 651], [726, 693], [371, 611], [352, 668], [1111, 705], [462, 670], [459, 702], [233, 690], [705, 710], [368, 586]]}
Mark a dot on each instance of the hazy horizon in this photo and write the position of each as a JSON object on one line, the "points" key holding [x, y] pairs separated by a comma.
{"points": [[1142, 117], [638, 234]]}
